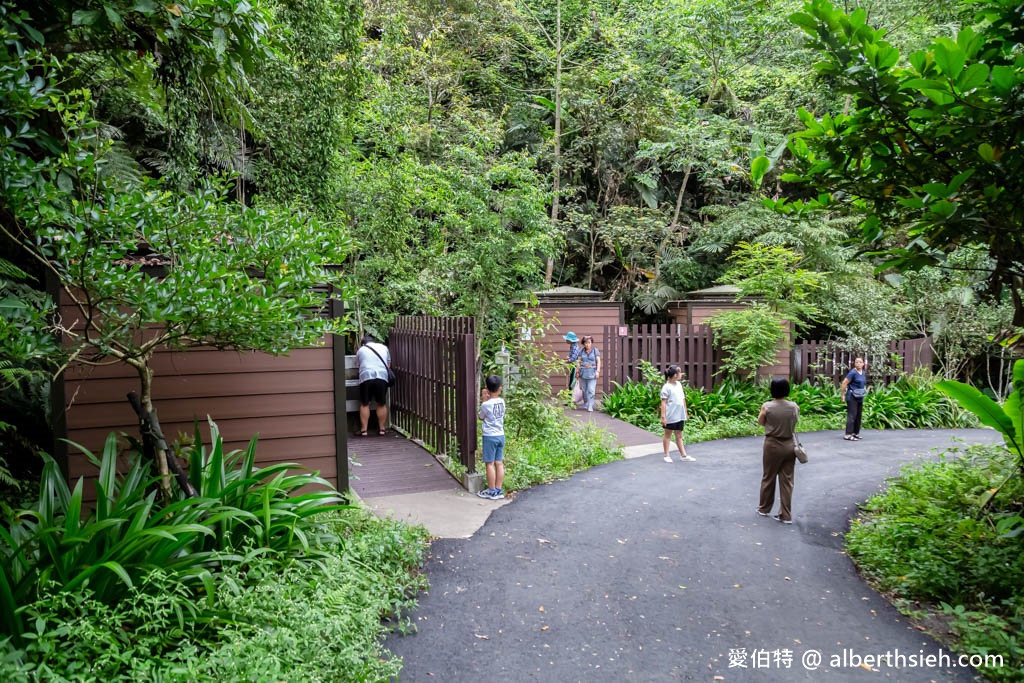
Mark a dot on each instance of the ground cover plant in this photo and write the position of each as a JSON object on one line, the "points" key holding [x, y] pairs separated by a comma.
{"points": [[730, 409], [245, 581], [939, 542]]}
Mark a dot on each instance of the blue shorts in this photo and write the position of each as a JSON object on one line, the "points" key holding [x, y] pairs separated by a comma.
{"points": [[494, 448]]}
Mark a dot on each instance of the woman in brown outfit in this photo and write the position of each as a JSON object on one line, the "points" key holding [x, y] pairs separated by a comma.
{"points": [[778, 417]]}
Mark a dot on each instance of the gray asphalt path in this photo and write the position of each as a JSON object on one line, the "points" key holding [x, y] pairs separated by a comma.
{"points": [[646, 571]]}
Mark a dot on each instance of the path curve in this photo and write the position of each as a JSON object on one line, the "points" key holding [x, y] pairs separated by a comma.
{"points": [[640, 570]]}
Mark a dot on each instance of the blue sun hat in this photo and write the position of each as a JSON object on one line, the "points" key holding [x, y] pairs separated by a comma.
{"points": [[571, 337]]}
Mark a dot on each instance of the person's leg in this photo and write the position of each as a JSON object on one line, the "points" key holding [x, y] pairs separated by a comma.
{"points": [[364, 417], [492, 472], [488, 456], [589, 387], [769, 469], [679, 442], [851, 412], [499, 465], [665, 441], [364, 406], [382, 416], [857, 416], [786, 470]]}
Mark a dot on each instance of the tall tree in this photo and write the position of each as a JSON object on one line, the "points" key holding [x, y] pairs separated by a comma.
{"points": [[931, 154]]}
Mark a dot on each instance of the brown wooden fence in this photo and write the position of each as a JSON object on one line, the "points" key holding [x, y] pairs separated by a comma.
{"points": [[821, 359], [434, 399], [688, 346]]}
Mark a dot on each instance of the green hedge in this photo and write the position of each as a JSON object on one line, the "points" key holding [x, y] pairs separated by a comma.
{"points": [[731, 408]]}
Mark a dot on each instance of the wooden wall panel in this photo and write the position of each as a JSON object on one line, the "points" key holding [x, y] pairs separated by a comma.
{"points": [[287, 400], [589, 318]]}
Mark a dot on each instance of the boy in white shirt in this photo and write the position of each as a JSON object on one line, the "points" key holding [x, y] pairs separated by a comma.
{"points": [[492, 412]]}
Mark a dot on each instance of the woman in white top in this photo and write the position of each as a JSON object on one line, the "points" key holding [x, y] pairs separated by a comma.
{"points": [[673, 412]]}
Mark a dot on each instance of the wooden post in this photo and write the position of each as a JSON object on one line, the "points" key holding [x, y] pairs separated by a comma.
{"points": [[465, 409], [337, 310]]}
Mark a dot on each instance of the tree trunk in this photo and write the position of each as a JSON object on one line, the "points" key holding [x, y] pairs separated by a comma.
{"points": [[556, 182], [679, 198], [159, 449]]}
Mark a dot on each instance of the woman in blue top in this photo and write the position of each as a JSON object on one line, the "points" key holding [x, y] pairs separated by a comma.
{"points": [[854, 389], [589, 363]]}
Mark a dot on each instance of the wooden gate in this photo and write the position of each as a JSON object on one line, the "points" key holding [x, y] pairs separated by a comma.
{"points": [[434, 398], [688, 346], [822, 360]]}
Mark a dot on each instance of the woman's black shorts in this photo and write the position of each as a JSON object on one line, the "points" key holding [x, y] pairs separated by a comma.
{"points": [[375, 390], [675, 426]]}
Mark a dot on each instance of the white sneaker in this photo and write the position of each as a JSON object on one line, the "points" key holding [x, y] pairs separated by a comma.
{"points": [[687, 458], [668, 458]]}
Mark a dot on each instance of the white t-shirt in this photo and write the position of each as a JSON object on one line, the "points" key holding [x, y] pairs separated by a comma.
{"points": [[675, 402], [492, 412], [371, 367]]}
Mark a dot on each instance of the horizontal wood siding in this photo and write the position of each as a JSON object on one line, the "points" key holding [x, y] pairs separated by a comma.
{"points": [[288, 401], [583, 319]]}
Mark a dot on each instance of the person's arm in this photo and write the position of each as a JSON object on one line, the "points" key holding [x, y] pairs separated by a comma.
{"points": [[664, 409], [762, 417], [842, 389], [598, 364]]}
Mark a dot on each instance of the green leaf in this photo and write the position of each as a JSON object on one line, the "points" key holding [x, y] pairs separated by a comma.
{"points": [[949, 57], [1004, 78], [987, 410], [220, 41], [113, 15], [758, 167], [85, 17], [919, 60], [145, 6], [975, 76]]}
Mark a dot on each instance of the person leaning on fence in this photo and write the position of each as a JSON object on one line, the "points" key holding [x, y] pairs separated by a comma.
{"points": [[778, 459], [853, 391], [589, 371], [373, 360], [673, 412], [492, 412]]}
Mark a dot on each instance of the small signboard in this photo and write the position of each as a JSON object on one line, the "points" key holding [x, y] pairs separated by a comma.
{"points": [[623, 330]]}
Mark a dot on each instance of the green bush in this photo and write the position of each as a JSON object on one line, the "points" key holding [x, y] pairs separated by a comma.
{"points": [[731, 408], [61, 545], [940, 535], [268, 621]]}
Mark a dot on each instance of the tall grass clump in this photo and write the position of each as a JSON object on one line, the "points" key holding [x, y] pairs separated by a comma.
{"points": [[949, 536]]}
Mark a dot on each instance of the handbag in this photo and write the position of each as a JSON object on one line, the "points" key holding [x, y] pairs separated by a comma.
{"points": [[799, 451], [859, 393], [392, 377], [577, 394]]}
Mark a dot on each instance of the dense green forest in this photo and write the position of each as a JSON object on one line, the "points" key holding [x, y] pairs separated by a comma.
{"points": [[195, 173], [451, 157]]}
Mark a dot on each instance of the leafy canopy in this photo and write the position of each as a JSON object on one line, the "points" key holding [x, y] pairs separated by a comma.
{"points": [[930, 155]]}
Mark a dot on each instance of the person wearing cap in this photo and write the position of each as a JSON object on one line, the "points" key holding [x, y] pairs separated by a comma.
{"points": [[575, 349]]}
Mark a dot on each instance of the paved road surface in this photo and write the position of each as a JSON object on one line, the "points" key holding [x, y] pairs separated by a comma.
{"points": [[643, 571]]}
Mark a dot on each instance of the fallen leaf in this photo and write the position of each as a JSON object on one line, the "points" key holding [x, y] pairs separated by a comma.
{"points": [[482, 637], [544, 628], [174, 9], [787, 578], [541, 608]]}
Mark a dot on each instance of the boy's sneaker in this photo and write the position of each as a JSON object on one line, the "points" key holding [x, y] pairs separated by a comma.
{"points": [[486, 493], [496, 494], [687, 458]]}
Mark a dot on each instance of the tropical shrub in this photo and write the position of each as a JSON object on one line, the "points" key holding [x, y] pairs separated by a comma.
{"points": [[60, 545], [267, 621], [730, 409], [949, 533]]}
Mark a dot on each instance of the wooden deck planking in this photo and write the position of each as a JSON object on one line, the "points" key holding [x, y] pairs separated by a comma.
{"points": [[393, 465]]}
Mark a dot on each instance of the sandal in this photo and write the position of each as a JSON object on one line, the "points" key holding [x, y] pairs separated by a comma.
{"points": [[362, 433], [382, 432], [857, 437], [849, 437]]}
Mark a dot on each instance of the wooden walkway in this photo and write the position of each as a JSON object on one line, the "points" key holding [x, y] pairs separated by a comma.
{"points": [[392, 465]]}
